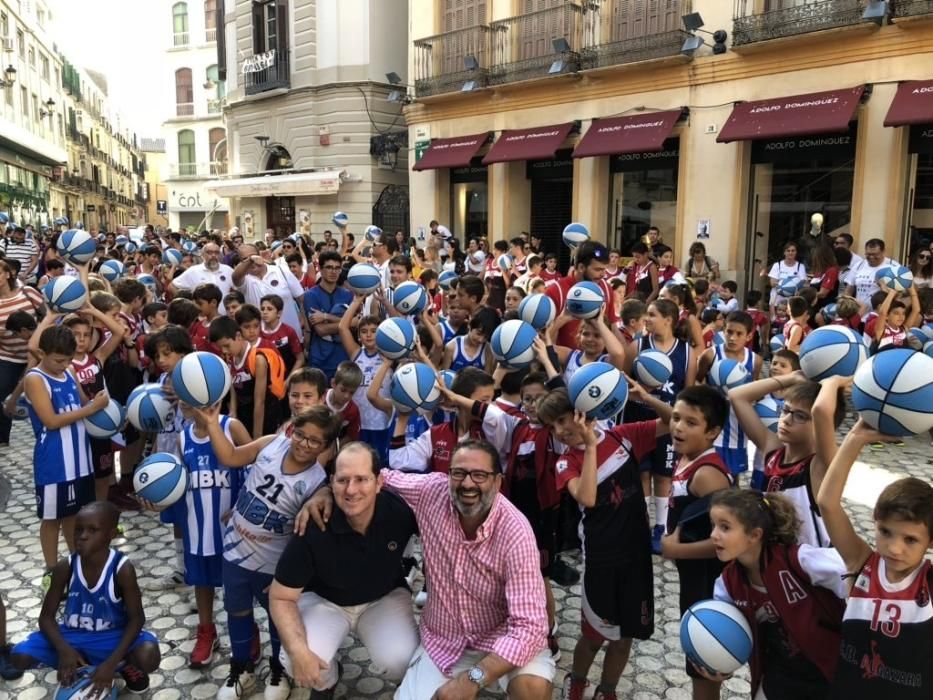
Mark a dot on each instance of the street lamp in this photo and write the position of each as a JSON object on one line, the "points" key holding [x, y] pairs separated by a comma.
{"points": [[43, 113], [9, 77]]}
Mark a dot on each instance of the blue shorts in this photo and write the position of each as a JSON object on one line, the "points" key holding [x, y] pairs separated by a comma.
{"points": [[242, 587], [95, 647], [65, 499], [203, 570], [379, 441], [735, 458], [175, 514]]}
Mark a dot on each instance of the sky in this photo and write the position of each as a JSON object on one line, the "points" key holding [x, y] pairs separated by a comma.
{"points": [[125, 40]]}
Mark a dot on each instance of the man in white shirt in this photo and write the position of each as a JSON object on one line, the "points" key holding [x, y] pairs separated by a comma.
{"points": [[256, 279], [210, 271], [860, 282]]}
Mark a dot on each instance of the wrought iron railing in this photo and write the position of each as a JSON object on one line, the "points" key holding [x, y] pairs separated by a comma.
{"points": [[271, 78], [210, 34], [439, 60], [754, 20], [184, 109], [911, 8], [180, 39], [198, 169], [213, 107], [640, 31]]}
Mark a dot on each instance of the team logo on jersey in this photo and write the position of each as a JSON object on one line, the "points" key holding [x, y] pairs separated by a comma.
{"points": [[223, 278], [300, 487], [862, 582], [274, 283], [923, 597], [561, 465], [392, 546]]}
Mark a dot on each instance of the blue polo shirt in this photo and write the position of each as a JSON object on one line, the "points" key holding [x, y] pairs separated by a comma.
{"points": [[326, 352]]}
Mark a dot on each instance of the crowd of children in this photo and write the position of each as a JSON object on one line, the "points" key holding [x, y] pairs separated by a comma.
{"points": [[832, 616]]}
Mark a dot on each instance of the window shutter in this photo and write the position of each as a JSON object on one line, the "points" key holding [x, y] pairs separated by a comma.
{"points": [[281, 27], [259, 43]]}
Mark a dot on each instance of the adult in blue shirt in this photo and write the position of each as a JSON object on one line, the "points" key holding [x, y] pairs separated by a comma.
{"points": [[326, 351]]}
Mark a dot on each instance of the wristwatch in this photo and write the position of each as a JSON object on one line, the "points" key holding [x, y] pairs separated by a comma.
{"points": [[477, 675]]}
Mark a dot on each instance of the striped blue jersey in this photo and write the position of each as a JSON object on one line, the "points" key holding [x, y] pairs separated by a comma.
{"points": [[64, 454], [166, 440], [212, 491], [448, 331], [575, 362], [732, 435], [98, 607], [461, 359]]}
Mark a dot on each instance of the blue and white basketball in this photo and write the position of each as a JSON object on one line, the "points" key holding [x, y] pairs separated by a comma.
{"points": [[504, 262], [652, 368], [769, 410], [130, 248], [79, 225], [189, 247], [76, 246], [896, 277], [777, 342], [832, 351], [21, 412], [726, 374], [395, 337], [574, 234], [537, 310], [161, 479], [372, 233], [364, 278], [928, 348], [716, 636], [598, 390], [445, 279], [172, 257], [893, 392], [414, 387], [83, 688], [112, 270], [830, 312], [106, 422], [409, 298], [512, 344], [275, 246], [448, 376], [148, 409], [201, 379], [719, 338], [121, 240], [789, 286], [340, 219], [585, 300], [65, 294], [149, 282], [923, 334]]}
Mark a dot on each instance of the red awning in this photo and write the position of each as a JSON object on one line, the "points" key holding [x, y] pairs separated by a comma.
{"points": [[528, 144], [451, 153], [636, 134], [912, 104], [814, 113]]}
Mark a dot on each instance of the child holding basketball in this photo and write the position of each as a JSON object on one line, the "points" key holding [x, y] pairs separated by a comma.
{"points": [[102, 621], [889, 330], [472, 349], [595, 340], [791, 594]]}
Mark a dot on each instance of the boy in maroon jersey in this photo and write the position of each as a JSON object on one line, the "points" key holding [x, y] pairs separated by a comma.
{"points": [[282, 336], [207, 297], [339, 399], [249, 319], [762, 324]]}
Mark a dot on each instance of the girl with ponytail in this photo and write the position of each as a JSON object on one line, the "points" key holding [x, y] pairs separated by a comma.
{"points": [[791, 594]]}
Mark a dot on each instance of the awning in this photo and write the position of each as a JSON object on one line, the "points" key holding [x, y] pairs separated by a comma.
{"points": [[288, 185], [814, 113], [451, 153], [912, 104], [528, 144], [635, 134]]}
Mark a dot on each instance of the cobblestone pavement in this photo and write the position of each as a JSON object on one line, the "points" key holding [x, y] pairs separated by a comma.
{"points": [[655, 669]]}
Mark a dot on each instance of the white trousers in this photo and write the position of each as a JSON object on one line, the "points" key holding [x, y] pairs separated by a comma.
{"points": [[386, 627]]}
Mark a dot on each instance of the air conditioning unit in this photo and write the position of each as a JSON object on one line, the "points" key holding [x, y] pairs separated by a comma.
{"points": [[7, 44]]}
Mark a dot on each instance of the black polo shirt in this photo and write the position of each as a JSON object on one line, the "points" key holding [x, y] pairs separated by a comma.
{"points": [[348, 568]]}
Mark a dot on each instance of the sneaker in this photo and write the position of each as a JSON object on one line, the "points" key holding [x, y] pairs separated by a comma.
{"points": [[278, 686], [563, 574], [573, 688], [137, 681], [239, 680], [176, 579], [47, 580], [896, 443], [204, 647], [328, 694], [255, 647], [605, 695], [553, 647], [877, 445], [656, 534], [421, 599], [8, 672]]}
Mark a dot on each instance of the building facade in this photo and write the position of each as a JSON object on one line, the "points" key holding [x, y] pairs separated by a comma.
{"points": [[309, 128], [731, 123], [196, 141], [156, 163]]}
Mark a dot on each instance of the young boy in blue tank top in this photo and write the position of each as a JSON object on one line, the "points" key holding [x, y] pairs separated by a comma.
{"points": [[102, 621]]}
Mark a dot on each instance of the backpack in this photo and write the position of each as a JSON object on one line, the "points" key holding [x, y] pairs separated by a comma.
{"points": [[276, 369]]}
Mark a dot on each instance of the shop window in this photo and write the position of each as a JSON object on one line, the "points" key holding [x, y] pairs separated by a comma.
{"points": [[469, 201], [919, 209]]}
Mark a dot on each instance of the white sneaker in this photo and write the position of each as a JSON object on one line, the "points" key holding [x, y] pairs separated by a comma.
{"points": [[176, 579], [421, 599], [239, 680], [277, 684]]}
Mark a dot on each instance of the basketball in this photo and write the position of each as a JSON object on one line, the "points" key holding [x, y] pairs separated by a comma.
{"points": [[727, 374], [76, 246], [172, 257], [65, 294], [830, 312], [340, 219], [537, 310], [409, 298], [448, 376], [652, 368], [130, 248], [82, 688], [716, 636], [598, 390], [21, 412], [372, 233], [585, 300], [107, 422], [161, 479], [395, 337], [149, 282], [121, 240], [504, 262], [414, 387], [275, 246], [789, 286], [832, 351], [928, 348], [719, 338], [574, 234], [445, 278], [923, 334], [896, 277], [777, 342], [512, 344], [148, 409], [201, 379], [112, 270], [769, 410], [189, 247], [364, 278], [893, 392]]}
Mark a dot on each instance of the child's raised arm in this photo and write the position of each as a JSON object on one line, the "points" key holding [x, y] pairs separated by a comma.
{"points": [[882, 321], [344, 327], [372, 393], [228, 454], [824, 427], [743, 400]]}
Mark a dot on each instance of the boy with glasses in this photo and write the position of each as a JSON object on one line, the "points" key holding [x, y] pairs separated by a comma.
{"points": [[320, 302]]}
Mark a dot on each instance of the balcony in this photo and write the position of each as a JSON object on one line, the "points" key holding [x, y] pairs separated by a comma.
{"points": [[439, 60], [213, 107], [210, 35], [184, 109], [182, 171], [912, 8], [640, 31], [755, 21], [269, 71], [180, 39]]}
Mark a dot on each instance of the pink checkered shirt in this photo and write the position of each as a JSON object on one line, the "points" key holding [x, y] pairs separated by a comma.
{"points": [[486, 594]]}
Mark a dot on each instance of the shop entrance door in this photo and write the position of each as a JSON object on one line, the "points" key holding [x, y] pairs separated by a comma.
{"points": [[918, 218], [551, 203], [280, 215]]}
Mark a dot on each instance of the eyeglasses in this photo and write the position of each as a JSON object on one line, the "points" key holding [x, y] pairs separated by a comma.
{"points": [[306, 439], [798, 417], [478, 476], [531, 400], [344, 481]]}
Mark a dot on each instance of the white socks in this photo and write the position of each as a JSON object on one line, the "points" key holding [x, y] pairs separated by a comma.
{"points": [[660, 510]]}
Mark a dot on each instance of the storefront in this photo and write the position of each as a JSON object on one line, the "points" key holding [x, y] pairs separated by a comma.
{"points": [[551, 208]]}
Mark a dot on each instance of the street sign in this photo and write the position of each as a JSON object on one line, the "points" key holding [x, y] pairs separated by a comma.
{"points": [[162, 207], [420, 148]]}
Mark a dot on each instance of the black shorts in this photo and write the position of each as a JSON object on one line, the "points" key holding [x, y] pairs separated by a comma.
{"points": [[697, 578], [62, 500], [618, 601], [661, 460], [524, 496], [102, 457]]}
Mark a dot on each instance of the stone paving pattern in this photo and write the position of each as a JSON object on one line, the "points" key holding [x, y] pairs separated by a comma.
{"points": [[654, 671]]}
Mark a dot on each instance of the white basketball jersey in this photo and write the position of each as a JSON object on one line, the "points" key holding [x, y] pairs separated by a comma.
{"points": [[371, 418]]}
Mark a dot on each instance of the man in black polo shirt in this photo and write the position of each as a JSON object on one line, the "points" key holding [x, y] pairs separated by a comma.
{"points": [[347, 579]]}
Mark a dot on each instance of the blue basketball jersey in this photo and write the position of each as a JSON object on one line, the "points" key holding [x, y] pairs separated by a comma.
{"points": [[679, 355], [64, 454], [732, 435], [448, 331], [98, 607], [461, 359], [212, 491]]}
